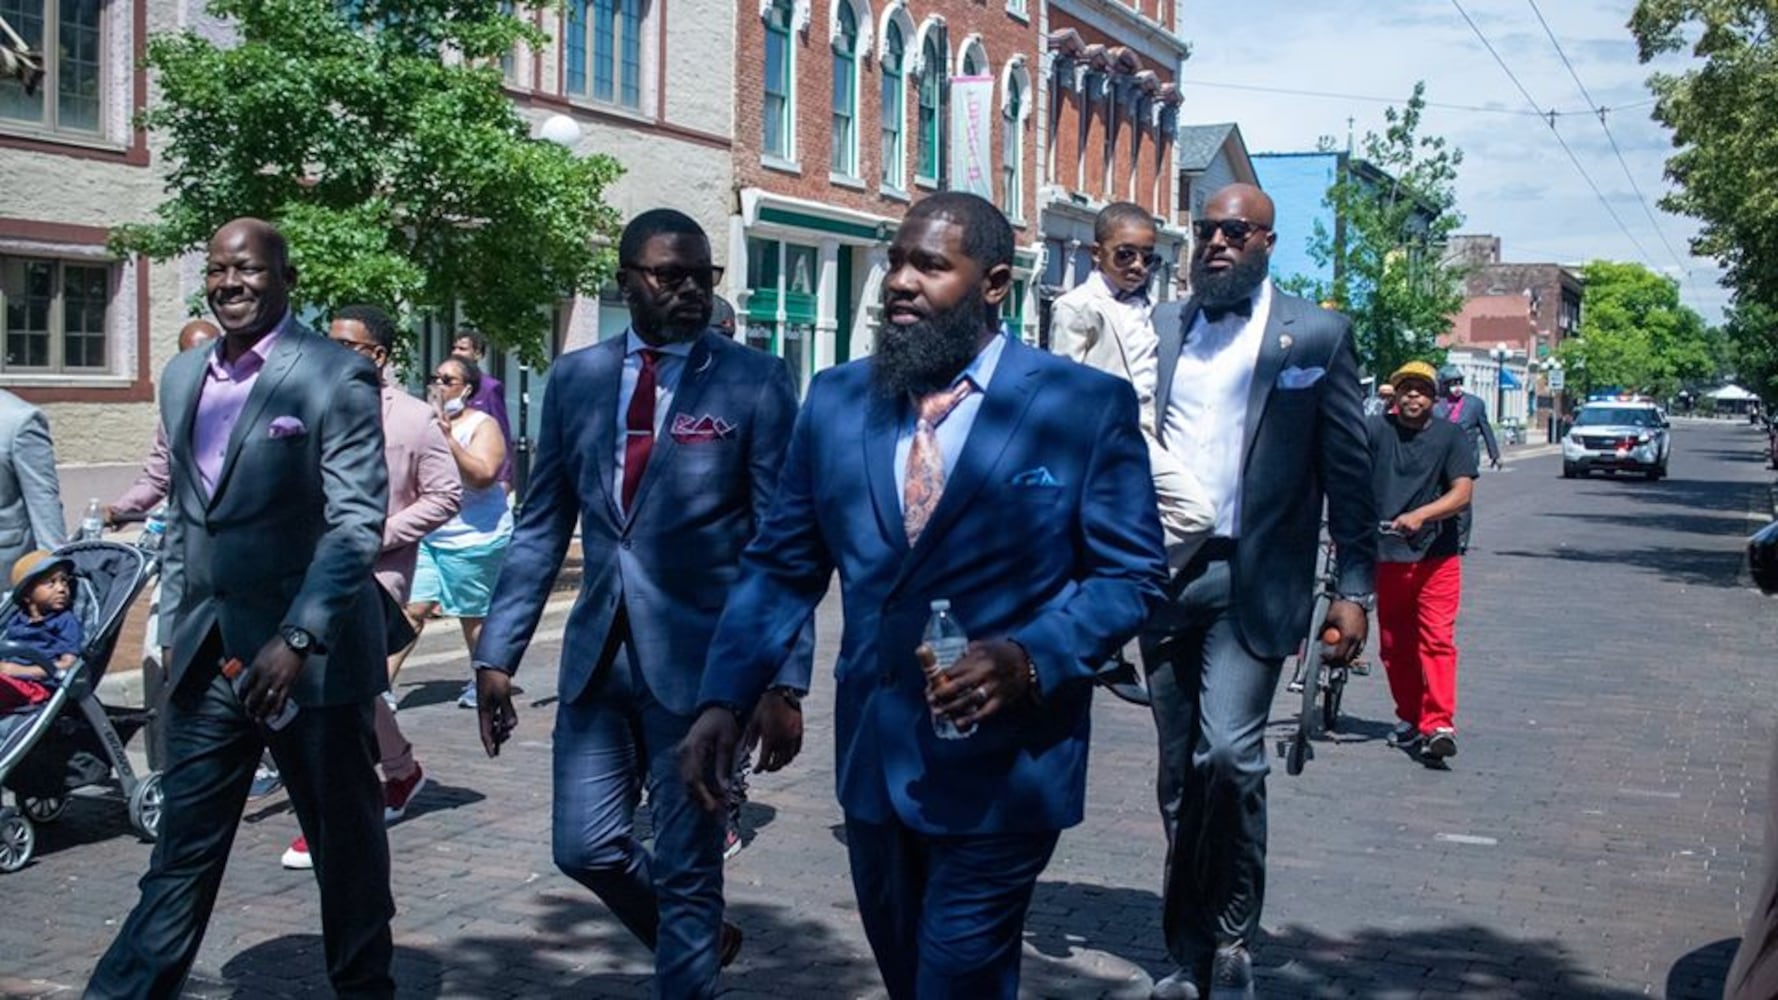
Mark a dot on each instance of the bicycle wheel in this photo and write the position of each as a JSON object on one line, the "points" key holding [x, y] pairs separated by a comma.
{"points": [[1331, 697]]}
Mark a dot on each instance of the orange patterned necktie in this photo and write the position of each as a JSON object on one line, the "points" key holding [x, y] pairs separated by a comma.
{"points": [[926, 463]]}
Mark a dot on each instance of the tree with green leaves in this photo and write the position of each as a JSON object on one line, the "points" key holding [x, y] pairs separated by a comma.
{"points": [[1635, 334], [1750, 341], [1394, 209], [377, 136]]}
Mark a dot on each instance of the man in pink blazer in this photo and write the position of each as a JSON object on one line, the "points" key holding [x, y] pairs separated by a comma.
{"points": [[425, 491]]}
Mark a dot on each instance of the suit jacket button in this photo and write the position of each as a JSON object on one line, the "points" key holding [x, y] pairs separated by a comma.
{"points": [[626, 544]]}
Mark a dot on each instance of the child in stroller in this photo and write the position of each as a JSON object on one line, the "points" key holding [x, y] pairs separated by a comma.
{"points": [[69, 740], [44, 639]]}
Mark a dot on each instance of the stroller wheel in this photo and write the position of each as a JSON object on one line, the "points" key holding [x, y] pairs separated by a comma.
{"points": [[18, 840], [145, 806], [46, 810]]}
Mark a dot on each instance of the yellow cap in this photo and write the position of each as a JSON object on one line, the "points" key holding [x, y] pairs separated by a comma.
{"points": [[35, 564], [1415, 371]]}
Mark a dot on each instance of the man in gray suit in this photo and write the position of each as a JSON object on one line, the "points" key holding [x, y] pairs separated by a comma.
{"points": [[30, 496], [275, 519], [1258, 397], [664, 444]]}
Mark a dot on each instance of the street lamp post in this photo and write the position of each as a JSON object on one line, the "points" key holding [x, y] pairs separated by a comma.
{"points": [[564, 132], [1500, 353]]}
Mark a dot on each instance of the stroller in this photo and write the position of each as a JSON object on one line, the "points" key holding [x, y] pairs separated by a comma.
{"points": [[70, 741]]}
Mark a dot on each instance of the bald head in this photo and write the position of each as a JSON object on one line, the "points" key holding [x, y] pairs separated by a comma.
{"points": [[247, 280], [1241, 201], [197, 333]]}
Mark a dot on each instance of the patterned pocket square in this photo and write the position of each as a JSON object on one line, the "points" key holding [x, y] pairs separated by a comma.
{"points": [[287, 427], [1039, 477], [1300, 378], [688, 429]]}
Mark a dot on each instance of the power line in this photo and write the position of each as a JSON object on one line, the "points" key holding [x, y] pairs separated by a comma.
{"points": [[1334, 95], [1628, 174], [1551, 121]]}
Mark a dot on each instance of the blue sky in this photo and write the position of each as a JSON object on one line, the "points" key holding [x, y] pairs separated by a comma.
{"points": [[1515, 181]]}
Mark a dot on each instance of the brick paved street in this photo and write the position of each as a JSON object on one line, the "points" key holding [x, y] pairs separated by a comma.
{"points": [[1597, 837]]}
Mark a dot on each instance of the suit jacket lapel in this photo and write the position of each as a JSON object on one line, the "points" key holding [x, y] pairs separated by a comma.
{"points": [[607, 382], [1273, 350], [285, 353], [882, 425], [183, 385], [1003, 406], [1170, 322], [692, 381]]}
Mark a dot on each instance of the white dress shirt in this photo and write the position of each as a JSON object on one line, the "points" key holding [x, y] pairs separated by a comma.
{"points": [[667, 369], [1206, 419], [953, 432]]}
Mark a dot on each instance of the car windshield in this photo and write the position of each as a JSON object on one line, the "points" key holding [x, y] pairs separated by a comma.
{"points": [[1615, 416]]}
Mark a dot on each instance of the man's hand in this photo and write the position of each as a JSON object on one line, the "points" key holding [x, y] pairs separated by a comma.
{"points": [[707, 757], [493, 708], [274, 669], [1493, 461], [1349, 619], [777, 725], [109, 517], [1409, 524], [987, 679]]}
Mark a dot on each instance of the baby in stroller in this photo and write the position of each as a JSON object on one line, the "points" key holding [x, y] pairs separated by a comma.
{"points": [[44, 638]]}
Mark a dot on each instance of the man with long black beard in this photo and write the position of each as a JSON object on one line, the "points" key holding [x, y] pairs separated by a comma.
{"points": [[1012, 484], [1258, 397]]}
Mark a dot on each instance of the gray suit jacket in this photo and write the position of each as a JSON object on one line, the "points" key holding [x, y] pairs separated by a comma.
{"points": [[30, 497], [669, 564], [295, 523], [1305, 445]]}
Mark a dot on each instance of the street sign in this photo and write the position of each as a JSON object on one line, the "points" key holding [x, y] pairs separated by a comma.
{"points": [[1558, 380]]}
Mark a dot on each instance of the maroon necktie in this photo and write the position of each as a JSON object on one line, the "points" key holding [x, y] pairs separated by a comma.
{"points": [[639, 427]]}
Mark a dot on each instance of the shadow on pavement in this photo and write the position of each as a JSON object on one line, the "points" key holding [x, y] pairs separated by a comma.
{"points": [[1699, 974], [88, 819], [1682, 524], [572, 948], [1469, 961], [429, 693], [1692, 567]]}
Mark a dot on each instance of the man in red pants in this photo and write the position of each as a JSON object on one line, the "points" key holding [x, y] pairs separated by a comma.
{"points": [[1423, 472]]}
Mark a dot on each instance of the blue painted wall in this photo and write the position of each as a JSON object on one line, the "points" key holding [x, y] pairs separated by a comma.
{"points": [[1298, 184]]}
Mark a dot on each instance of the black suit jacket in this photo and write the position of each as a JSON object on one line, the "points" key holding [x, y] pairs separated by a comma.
{"points": [[1305, 446]]}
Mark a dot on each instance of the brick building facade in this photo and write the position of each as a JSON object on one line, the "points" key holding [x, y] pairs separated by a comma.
{"points": [[1530, 307], [842, 120]]}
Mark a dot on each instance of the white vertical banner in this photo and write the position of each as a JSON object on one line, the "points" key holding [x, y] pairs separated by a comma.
{"points": [[972, 135]]}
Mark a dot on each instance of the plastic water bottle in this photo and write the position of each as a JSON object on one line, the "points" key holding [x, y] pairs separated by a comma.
{"points": [[154, 529], [92, 526], [946, 640]]}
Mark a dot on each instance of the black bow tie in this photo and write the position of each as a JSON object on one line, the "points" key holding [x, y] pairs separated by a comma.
{"points": [[1216, 314], [1137, 297]]}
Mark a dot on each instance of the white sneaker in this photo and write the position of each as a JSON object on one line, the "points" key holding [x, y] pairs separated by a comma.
{"points": [[393, 702], [296, 856]]}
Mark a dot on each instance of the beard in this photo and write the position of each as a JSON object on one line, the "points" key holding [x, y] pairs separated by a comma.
{"points": [[1221, 289], [922, 358]]}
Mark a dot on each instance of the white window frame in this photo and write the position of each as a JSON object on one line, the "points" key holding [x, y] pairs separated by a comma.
{"points": [[1014, 120], [894, 169], [844, 160], [784, 157]]}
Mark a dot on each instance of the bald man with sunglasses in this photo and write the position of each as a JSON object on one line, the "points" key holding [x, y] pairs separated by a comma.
{"points": [[1105, 323]]}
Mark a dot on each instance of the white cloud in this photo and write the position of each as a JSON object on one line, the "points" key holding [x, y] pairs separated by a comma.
{"points": [[1515, 181]]}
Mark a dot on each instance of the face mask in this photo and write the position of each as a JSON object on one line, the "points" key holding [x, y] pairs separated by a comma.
{"points": [[452, 407]]}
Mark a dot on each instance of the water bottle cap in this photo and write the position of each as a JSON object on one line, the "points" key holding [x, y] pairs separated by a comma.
{"points": [[942, 604]]}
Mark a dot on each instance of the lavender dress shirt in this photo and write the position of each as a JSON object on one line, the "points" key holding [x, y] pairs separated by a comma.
{"points": [[221, 399]]}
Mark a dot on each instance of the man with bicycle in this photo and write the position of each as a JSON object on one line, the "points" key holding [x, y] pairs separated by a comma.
{"points": [[1423, 471]]}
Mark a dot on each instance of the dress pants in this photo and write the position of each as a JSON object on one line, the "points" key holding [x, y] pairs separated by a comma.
{"points": [[945, 915], [609, 741], [327, 756], [1211, 697], [1417, 638]]}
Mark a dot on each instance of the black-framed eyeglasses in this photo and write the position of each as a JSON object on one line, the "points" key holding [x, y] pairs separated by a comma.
{"points": [[1235, 232], [672, 275], [1126, 255], [444, 380], [363, 347]]}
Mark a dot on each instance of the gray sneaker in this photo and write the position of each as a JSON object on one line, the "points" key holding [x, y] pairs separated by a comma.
{"points": [[266, 780], [468, 698], [1441, 744], [1404, 735]]}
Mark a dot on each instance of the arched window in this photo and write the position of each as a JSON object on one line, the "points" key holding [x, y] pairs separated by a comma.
{"points": [[932, 99], [1012, 151], [845, 93], [779, 138], [894, 114]]}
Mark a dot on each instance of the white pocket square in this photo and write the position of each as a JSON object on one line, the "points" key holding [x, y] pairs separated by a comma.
{"points": [[1299, 378]]}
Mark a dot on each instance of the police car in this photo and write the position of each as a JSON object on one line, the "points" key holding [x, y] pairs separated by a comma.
{"points": [[1617, 435]]}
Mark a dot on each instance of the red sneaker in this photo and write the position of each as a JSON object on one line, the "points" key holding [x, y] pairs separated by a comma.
{"points": [[399, 793], [297, 856]]}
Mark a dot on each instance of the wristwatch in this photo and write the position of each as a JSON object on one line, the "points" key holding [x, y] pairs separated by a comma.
{"points": [[791, 696], [1366, 601], [298, 639]]}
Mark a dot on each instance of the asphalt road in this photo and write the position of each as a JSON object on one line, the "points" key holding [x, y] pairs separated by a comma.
{"points": [[1597, 836]]}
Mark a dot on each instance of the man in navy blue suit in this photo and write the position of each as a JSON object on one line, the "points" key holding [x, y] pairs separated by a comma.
{"points": [[953, 464], [665, 445]]}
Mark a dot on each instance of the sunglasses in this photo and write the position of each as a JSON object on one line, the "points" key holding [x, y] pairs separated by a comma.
{"points": [[1126, 255], [1235, 232], [444, 380], [672, 276]]}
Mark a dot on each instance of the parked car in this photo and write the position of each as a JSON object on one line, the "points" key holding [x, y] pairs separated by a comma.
{"points": [[1617, 436]]}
